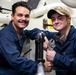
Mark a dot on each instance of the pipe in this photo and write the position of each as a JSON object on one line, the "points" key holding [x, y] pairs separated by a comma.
{"points": [[39, 47], [5, 18], [70, 3], [40, 70], [44, 9], [39, 53], [1, 8], [41, 3]]}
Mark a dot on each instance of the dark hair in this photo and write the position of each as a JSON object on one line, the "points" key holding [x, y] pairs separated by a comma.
{"points": [[20, 3]]}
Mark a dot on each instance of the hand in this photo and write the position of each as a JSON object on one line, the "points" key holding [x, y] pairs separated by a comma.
{"points": [[48, 66], [45, 44], [50, 55]]}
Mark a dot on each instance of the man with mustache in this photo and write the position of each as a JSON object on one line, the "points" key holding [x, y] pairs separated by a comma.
{"points": [[12, 38]]}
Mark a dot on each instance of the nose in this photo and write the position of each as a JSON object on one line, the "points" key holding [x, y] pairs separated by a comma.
{"points": [[56, 21], [23, 18]]}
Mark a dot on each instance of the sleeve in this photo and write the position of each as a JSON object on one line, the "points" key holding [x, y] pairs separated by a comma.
{"points": [[64, 62], [34, 33], [11, 54]]}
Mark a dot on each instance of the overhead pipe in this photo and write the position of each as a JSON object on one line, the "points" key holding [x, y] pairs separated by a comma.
{"points": [[44, 9], [70, 3], [41, 3], [5, 18]]}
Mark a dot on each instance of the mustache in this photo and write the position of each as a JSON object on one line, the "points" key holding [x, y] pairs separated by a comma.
{"points": [[22, 21]]}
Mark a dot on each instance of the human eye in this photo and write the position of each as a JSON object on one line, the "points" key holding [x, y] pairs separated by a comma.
{"points": [[20, 15], [27, 15], [60, 18], [53, 19]]}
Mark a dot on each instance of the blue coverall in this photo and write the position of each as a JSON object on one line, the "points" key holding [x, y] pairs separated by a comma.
{"points": [[65, 58], [11, 63]]}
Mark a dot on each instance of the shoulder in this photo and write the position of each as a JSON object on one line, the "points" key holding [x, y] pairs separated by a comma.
{"points": [[72, 33], [7, 33]]}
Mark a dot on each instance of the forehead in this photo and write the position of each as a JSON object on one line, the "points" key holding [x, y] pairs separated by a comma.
{"points": [[21, 9]]}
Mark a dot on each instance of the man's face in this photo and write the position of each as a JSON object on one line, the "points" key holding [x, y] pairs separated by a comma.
{"points": [[21, 17], [60, 22]]}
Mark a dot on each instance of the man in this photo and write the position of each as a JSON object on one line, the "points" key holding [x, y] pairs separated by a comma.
{"points": [[12, 38], [63, 55], [61, 49]]}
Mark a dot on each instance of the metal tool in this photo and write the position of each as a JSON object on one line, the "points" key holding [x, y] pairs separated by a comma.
{"points": [[51, 44]]}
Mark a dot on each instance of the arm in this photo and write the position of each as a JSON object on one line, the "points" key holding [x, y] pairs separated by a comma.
{"points": [[34, 33], [63, 62], [10, 50]]}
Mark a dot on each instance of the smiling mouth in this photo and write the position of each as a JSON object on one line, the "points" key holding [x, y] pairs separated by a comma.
{"points": [[22, 21], [24, 24]]}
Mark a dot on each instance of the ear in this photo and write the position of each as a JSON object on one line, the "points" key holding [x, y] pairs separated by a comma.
{"points": [[12, 16], [69, 19]]}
